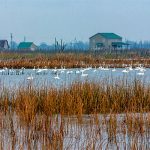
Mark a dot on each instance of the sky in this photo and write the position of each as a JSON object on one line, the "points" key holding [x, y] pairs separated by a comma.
{"points": [[43, 20]]}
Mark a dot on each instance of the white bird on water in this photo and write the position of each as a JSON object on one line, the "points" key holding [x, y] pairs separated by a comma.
{"points": [[77, 71], [55, 70], [2, 70], [62, 70], [57, 77], [30, 77], [95, 69], [104, 68], [113, 70], [83, 74], [125, 71], [130, 68], [34, 68], [140, 73], [142, 69], [69, 72]]}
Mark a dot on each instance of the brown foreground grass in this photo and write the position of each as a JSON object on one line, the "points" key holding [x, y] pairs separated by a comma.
{"points": [[69, 118], [78, 99]]}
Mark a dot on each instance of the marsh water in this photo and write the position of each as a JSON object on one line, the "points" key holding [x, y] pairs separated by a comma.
{"points": [[64, 77], [121, 131], [70, 133]]}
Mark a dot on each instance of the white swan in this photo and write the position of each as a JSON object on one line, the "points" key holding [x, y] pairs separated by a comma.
{"points": [[130, 68], [57, 77], [62, 70], [39, 70], [45, 68], [83, 74], [2, 70], [30, 77], [140, 73], [42, 70], [54, 71], [125, 71], [34, 68], [95, 69], [78, 71], [105, 69], [69, 72], [113, 70], [142, 69]]}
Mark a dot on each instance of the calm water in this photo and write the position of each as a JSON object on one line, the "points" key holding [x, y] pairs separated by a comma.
{"points": [[64, 77], [78, 135]]}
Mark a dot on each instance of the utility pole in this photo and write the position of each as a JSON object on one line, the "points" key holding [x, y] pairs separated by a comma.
{"points": [[24, 39], [61, 45], [75, 44], [11, 37], [55, 43]]}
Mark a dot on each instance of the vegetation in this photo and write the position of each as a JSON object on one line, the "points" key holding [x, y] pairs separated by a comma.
{"points": [[78, 99], [84, 115], [69, 60]]}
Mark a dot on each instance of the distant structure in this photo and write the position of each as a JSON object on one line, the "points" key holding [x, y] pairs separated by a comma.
{"points": [[11, 38], [105, 41], [4, 45], [27, 46]]}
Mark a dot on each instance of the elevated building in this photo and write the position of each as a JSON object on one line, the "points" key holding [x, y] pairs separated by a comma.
{"points": [[105, 41]]}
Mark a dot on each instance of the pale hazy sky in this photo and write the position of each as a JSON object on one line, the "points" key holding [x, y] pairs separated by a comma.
{"points": [[43, 20]]}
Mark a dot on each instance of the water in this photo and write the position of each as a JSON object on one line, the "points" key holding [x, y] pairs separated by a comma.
{"points": [[94, 132], [64, 77]]}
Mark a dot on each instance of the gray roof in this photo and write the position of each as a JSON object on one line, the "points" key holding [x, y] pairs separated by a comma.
{"points": [[2, 43]]}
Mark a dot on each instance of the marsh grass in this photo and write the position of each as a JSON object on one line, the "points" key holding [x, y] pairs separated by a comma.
{"points": [[69, 60], [82, 116], [78, 99]]}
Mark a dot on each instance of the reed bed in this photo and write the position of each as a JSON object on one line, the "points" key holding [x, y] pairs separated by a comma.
{"points": [[81, 116], [69, 60], [79, 98]]}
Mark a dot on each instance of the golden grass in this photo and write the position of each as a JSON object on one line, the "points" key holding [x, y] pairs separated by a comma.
{"points": [[79, 98], [69, 60]]}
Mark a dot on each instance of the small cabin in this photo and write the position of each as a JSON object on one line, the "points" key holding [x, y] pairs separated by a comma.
{"points": [[27, 46], [4, 45]]}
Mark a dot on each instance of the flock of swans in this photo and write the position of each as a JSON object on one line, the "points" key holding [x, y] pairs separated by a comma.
{"points": [[83, 72]]}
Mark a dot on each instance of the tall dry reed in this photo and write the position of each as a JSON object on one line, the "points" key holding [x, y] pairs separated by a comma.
{"points": [[69, 60]]}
